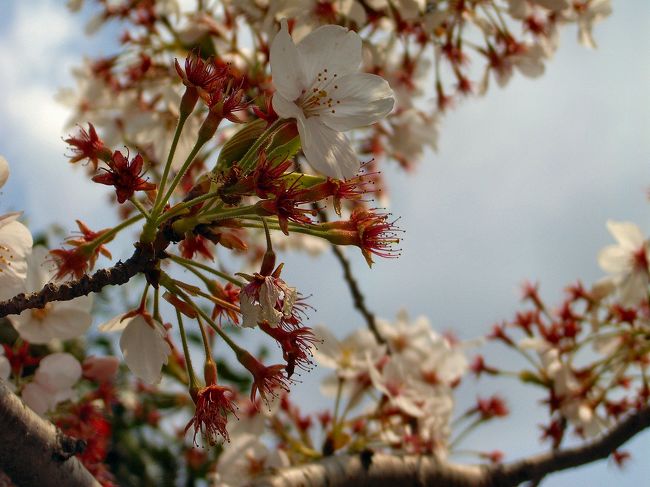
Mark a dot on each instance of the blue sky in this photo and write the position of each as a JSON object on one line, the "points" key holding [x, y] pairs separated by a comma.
{"points": [[521, 188]]}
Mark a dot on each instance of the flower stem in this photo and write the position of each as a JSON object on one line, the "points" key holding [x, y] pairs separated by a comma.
{"points": [[169, 284], [186, 351], [247, 162], [190, 263], [170, 157], [140, 207], [107, 236]]}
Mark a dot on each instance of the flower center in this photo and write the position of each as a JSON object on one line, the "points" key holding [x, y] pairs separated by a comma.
{"points": [[40, 314], [317, 99], [640, 259], [6, 256]]}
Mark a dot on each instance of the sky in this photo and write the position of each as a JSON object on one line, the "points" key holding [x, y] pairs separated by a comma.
{"points": [[520, 189]]}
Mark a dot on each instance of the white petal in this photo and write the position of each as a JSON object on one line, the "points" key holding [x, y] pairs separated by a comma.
{"points": [[633, 288], [329, 152], [250, 310], [15, 246], [287, 77], [4, 171], [332, 48], [58, 372], [145, 350], [361, 99], [269, 295], [285, 108], [63, 324], [627, 234], [115, 324], [328, 353], [37, 398], [614, 259]]}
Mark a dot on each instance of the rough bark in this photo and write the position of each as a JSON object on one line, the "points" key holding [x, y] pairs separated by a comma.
{"points": [[145, 259], [33, 453], [379, 470]]}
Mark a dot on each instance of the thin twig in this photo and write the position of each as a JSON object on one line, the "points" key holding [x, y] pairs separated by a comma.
{"points": [[141, 260], [358, 298]]}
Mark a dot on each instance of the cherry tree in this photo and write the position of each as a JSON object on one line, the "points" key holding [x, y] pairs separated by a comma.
{"points": [[226, 131]]}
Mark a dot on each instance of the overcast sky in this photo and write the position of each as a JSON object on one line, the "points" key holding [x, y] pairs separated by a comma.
{"points": [[521, 188]]}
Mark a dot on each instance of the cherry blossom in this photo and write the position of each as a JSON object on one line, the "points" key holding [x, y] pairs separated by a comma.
{"points": [[587, 14], [143, 344], [245, 458], [266, 299], [62, 320], [53, 381], [326, 95], [15, 246], [397, 381], [628, 261], [4, 171]]}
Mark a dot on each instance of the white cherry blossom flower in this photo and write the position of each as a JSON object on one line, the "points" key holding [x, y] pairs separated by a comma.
{"points": [[412, 131], [587, 14], [269, 300], [319, 85], [397, 381], [4, 171], [62, 320], [53, 381], [309, 14], [407, 338], [245, 458], [628, 262], [15, 246], [348, 356], [142, 343]]}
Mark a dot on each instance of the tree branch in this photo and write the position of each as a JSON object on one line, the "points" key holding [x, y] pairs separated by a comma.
{"points": [[540, 465], [358, 299], [379, 470], [120, 273], [33, 452]]}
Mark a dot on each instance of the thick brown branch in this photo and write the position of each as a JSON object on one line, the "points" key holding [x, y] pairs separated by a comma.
{"points": [[33, 452], [380, 470], [389, 470], [538, 466], [120, 273]]}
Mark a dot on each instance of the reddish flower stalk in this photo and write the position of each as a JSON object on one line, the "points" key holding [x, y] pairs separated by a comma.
{"points": [[266, 380], [213, 403], [491, 407], [125, 176], [226, 102], [296, 346], [195, 244], [230, 294], [368, 230], [349, 189], [285, 206], [200, 78], [82, 257], [88, 145]]}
